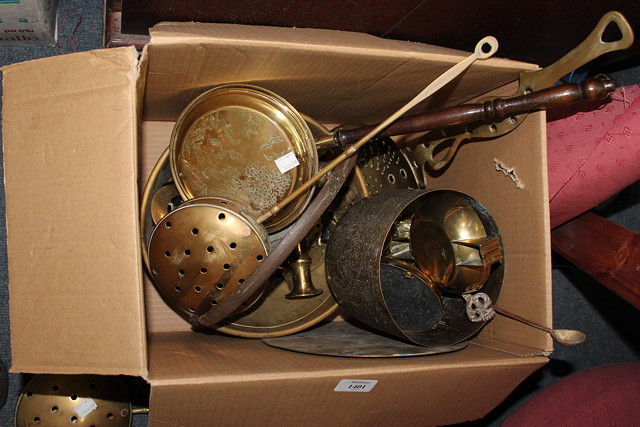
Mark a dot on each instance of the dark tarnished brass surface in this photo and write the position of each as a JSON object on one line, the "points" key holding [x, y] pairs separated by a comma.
{"points": [[450, 243], [354, 269], [226, 143], [202, 252], [413, 303], [58, 400], [354, 340]]}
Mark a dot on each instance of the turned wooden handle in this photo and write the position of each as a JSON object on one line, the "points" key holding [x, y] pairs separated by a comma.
{"points": [[488, 111]]}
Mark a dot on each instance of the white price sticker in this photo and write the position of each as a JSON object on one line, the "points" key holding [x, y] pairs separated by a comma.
{"points": [[361, 386], [287, 162], [85, 407]]}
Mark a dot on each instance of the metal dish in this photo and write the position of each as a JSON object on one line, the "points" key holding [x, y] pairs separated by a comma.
{"points": [[234, 142]]}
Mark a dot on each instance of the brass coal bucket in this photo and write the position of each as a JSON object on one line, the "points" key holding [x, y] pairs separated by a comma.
{"points": [[393, 295]]}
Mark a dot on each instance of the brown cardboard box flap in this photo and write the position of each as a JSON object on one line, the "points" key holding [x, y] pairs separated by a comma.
{"points": [[301, 386], [509, 348], [188, 357], [70, 177], [332, 76]]}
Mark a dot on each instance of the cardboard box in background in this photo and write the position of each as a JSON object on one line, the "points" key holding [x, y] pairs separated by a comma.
{"points": [[28, 22], [81, 133]]}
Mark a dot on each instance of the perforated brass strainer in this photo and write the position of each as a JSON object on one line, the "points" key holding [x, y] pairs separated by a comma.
{"points": [[74, 400], [202, 252]]}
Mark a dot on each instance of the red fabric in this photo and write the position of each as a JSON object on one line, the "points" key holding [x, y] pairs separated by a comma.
{"points": [[592, 155], [602, 396]]}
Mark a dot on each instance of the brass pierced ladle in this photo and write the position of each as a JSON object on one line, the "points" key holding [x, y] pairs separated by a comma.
{"points": [[480, 309]]}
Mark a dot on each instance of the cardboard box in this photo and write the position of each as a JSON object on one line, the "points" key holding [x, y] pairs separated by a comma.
{"points": [[28, 22], [81, 133]]}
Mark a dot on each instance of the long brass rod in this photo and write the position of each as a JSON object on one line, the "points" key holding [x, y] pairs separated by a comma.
{"points": [[349, 151]]}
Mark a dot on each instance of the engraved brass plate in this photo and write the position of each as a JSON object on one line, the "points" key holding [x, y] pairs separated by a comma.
{"points": [[229, 143], [274, 314], [78, 400]]}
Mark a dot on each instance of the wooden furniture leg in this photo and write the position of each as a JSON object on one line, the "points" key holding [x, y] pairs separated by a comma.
{"points": [[606, 251]]}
